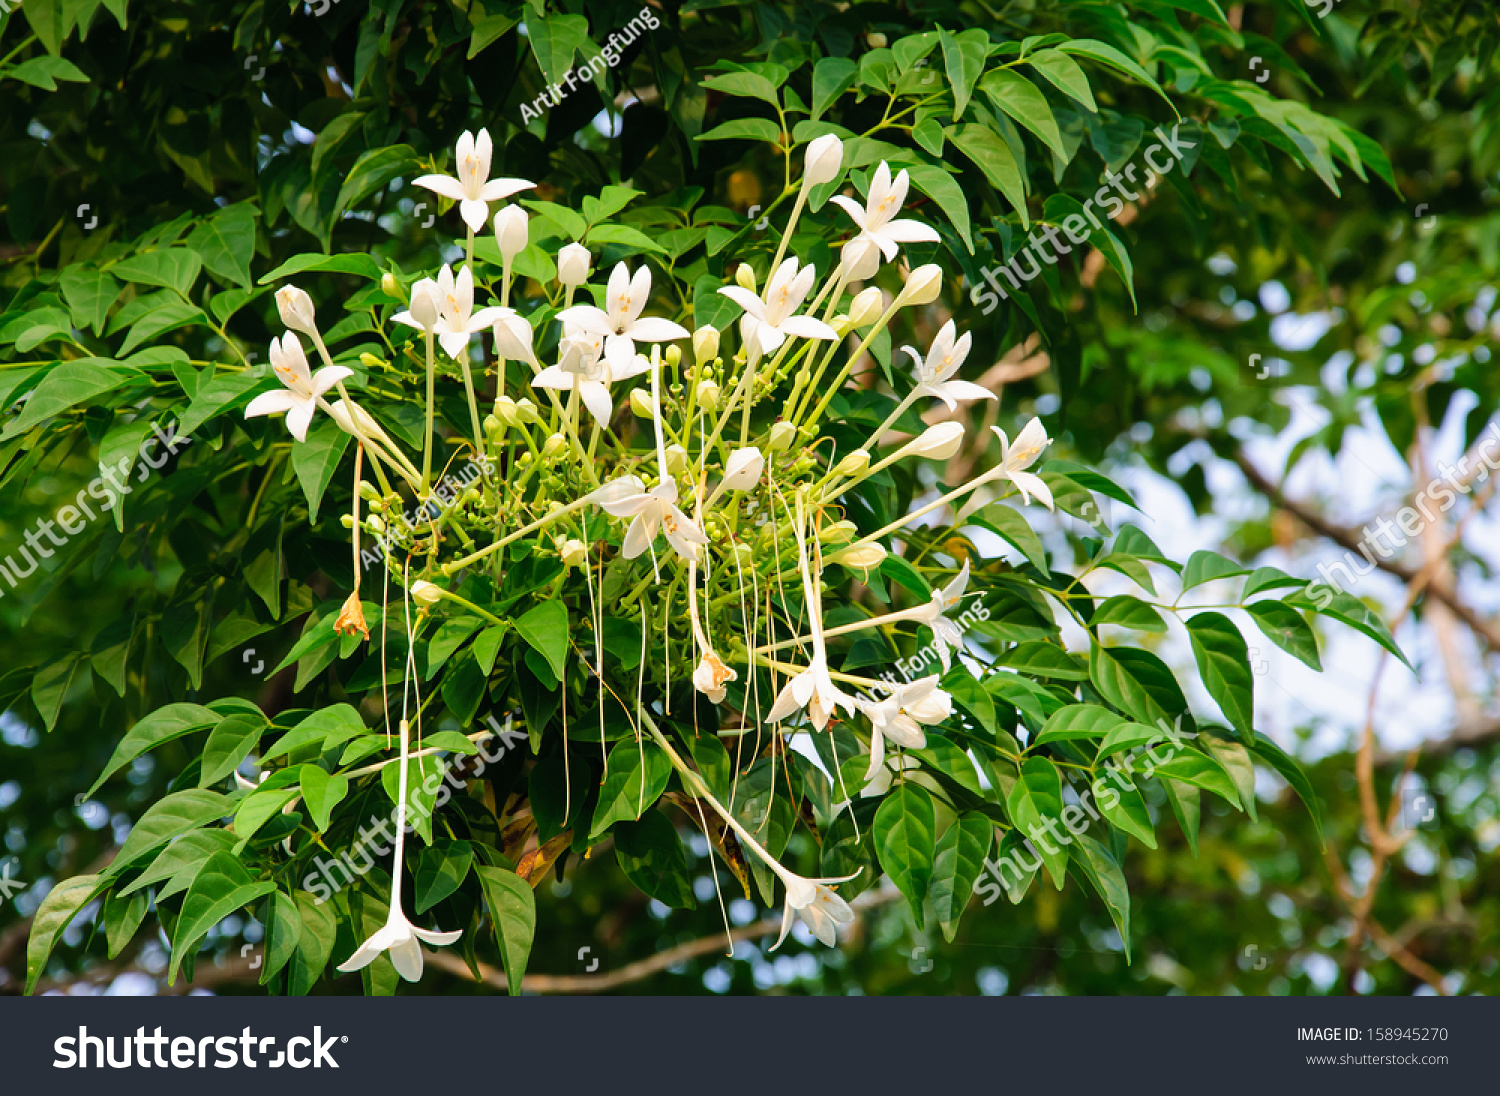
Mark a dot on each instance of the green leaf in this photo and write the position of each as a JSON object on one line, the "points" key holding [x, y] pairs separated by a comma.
{"points": [[1009, 523], [169, 817], [361, 264], [1347, 609], [1269, 578], [1224, 664], [744, 129], [283, 933], [906, 841], [1039, 658], [317, 459], [258, 808], [90, 294], [166, 316], [328, 727], [1126, 736], [178, 863], [1285, 627], [1273, 755], [554, 40], [623, 235], [545, 627], [161, 726], [228, 744], [1121, 803], [51, 685], [1187, 806], [44, 72], [956, 865], [1037, 795], [750, 85], [566, 219], [635, 774], [222, 887], [372, 171], [513, 912], [174, 268], [963, 60], [942, 756], [1205, 566], [314, 945], [121, 918], [1234, 759], [1013, 94], [1193, 768], [651, 855], [1128, 612], [1078, 721], [1121, 688], [993, 157], [56, 913], [1101, 870], [1107, 55], [832, 76], [226, 242], [322, 792], [441, 870], [1065, 74], [65, 385]]}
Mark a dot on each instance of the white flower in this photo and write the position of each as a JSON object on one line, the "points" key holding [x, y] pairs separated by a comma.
{"points": [[359, 424], [813, 900], [943, 360], [771, 320], [711, 675], [620, 322], [458, 320], [654, 510], [425, 308], [921, 286], [425, 593], [584, 367], [822, 161], [512, 335], [863, 557], [866, 307], [705, 344], [881, 782], [296, 309], [938, 442], [875, 218], [399, 937], [900, 716], [304, 388], [473, 190], [573, 263], [945, 633], [743, 468], [860, 258], [814, 690], [1022, 455], [511, 231]]}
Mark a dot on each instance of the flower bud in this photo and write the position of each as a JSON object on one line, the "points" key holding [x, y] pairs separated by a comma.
{"points": [[674, 356], [938, 442], [511, 231], [744, 277], [677, 459], [347, 521], [526, 411], [742, 470], [856, 463], [922, 285], [370, 361], [782, 436], [426, 303], [368, 492], [296, 309], [492, 426], [367, 427], [824, 158], [573, 265], [705, 344], [574, 553], [426, 594], [376, 525], [860, 258], [505, 410], [640, 403], [866, 307], [390, 286], [554, 445], [838, 532], [708, 396], [865, 557], [876, 40]]}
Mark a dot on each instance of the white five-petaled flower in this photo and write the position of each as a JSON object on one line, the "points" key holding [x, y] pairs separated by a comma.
{"points": [[304, 388], [1022, 455], [770, 320], [473, 189], [458, 319], [876, 217], [900, 716], [814, 690], [945, 634], [582, 366], [654, 511], [943, 360], [813, 900], [620, 322], [399, 937]]}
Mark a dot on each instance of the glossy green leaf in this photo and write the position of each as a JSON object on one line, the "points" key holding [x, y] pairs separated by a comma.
{"points": [[906, 841], [956, 864], [1224, 663], [513, 917]]}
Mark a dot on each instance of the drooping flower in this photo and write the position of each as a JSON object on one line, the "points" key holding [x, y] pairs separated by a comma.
{"points": [[583, 367], [876, 217], [935, 373], [945, 634], [399, 937], [820, 909], [654, 511], [458, 320], [351, 618], [900, 716], [712, 675], [1022, 455], [304, 388], [620, 322], [814, 690], [770, 321], [473, 189]]}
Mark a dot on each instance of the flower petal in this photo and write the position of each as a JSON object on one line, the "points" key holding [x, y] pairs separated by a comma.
{"points": [[654, 329], [498, 189], [273, 403], [446, 185], [587, 318], [299, 418], [475, 213]]}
